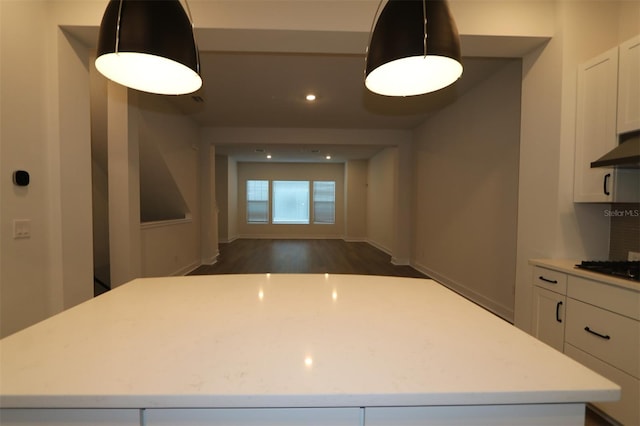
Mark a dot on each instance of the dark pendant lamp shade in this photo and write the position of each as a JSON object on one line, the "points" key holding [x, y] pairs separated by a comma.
{"points": [[148, 45], [401, 61]]}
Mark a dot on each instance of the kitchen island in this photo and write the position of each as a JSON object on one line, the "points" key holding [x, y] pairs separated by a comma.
{"points": [[288, 349]]}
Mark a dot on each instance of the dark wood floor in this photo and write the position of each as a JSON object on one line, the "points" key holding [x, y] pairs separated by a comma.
{"points": [[304, 256]]}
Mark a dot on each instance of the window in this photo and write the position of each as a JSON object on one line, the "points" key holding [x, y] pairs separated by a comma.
{"points": [[291, 202], [258, 201], [324, 202]]}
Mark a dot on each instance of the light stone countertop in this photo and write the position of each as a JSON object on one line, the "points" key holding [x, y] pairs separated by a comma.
{"points": [[284, 341]]}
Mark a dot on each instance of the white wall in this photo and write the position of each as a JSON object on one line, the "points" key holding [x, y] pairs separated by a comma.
{"points": [[24, 285], [466, 177], [232, 199], [172, 248], [355, 194], [381, 199], [222, 196]]}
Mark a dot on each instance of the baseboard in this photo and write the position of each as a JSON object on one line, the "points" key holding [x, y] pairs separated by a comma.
{"points": [[228, 240], [400, 261], [488, 304], [186, 270], [380, 247], [288, 237], [355, 240], [212, 260]]}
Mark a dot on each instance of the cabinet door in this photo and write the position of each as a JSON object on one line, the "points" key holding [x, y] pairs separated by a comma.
{"points": [[548, 317], [65, 417], [629, 86], [349, 416], [595, 127], [626, 409]]}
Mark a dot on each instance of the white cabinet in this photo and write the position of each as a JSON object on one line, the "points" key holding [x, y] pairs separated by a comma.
{"points": [[65, 417], [629, 86], [548, 317], [596, 129], [603, 333], [549, 302], [478, 415], [595, 323], [349, 416]]}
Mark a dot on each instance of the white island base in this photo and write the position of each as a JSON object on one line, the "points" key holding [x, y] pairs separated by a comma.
{"points": [[287, 350]]}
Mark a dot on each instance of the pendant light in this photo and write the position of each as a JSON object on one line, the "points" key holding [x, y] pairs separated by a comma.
{"points": [[414, 49], [148, 45]]}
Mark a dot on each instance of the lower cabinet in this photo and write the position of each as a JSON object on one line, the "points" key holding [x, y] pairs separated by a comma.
{"points": [[479, 415], [548, 317], [66, 417], [349, 416], [597, 324], [627, 409]]}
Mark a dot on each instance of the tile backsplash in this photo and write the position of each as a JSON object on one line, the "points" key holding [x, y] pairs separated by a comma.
{"points": [[625, 230]]}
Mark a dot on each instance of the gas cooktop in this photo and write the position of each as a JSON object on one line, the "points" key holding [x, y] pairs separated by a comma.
{"points": [[622, 269]]}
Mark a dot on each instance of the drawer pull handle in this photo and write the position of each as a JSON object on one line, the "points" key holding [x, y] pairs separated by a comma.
{"points": [[547, 280], [602, 336], [558, 312]]}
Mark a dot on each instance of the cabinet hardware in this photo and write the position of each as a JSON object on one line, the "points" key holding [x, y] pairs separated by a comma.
{"points": [[558, 312], [606, 186], [547, 280], [603, 336]]}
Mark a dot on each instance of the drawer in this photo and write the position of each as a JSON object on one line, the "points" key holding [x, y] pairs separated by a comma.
{"points": [[612, 338], [347, 416], [626, 409], [477, 415], [64, 417], [550, 279], [620, 300]]}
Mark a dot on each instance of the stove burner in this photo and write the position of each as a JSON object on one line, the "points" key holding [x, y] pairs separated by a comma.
{"points": [[623, 269]]}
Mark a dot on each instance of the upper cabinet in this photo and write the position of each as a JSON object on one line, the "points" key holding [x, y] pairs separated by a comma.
{"points": [[599, 110], [629, 86]]}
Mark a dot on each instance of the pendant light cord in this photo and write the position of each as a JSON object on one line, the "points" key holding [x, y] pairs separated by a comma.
{"points": [[117, 46], [424, 16]]}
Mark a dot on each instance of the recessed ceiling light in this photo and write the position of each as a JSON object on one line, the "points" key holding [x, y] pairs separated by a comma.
{"points": [[328, 157], [311, 97], [269, 156]]}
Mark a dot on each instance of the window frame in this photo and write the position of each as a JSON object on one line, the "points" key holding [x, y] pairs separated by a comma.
{"points": [[266, 201], [315, 202]]}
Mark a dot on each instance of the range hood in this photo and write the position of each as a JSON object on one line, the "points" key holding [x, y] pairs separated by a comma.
{"points": [[625, 155]]}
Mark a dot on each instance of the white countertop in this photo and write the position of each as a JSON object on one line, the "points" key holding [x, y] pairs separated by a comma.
{"points": [[569, 266], [284, 341]]}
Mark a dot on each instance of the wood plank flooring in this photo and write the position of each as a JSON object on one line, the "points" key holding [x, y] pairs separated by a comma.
{"points": [[249, 256]]}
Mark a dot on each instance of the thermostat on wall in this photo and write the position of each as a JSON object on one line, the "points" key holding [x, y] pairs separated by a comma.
{"points": [[21, 178]]}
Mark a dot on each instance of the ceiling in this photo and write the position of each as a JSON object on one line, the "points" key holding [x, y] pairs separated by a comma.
{"points": [[265, 89]]}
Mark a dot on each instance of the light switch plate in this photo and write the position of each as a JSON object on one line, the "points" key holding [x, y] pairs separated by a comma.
{"points": [[21, 228]]}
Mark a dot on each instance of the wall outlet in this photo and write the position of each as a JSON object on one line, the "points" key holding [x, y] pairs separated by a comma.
{"points": [[633, 255], [21, 228]]}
